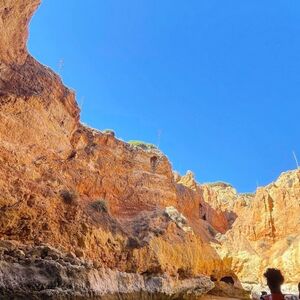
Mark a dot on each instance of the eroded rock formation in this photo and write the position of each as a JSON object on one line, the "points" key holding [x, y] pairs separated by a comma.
{"points": [[89, 215], [269, 223]]}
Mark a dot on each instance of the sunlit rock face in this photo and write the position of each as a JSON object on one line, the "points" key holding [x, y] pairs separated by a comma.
{"points": [[78, 206], [266, 231], [96, 201], [15, 16]]}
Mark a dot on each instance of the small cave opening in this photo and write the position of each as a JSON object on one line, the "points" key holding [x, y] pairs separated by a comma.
{"points": [[228, 280], [153, 163], [202, 212]]}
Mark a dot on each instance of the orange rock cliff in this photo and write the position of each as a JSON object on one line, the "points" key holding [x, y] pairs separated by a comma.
{"points": [[88, 215]]}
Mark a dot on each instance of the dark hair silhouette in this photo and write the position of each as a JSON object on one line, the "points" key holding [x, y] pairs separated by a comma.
{"points": [[274, 279], [263, 294]]}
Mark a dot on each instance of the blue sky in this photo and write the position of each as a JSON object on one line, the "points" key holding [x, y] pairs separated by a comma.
{"points": [[215, 83]]}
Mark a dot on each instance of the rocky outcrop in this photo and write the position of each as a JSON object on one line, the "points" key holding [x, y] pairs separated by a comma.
{"points": [[15, 16], [86, 214], [266, 231], [55, 275]]}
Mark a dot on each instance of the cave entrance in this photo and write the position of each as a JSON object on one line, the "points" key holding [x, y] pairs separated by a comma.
{"points": [[202, 212], [228, 280], [153, 163]]}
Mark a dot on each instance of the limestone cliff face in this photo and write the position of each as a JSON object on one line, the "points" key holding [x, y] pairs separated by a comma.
{"points": [[266, 231], [15, 16], [85, 194], [79, 207]]}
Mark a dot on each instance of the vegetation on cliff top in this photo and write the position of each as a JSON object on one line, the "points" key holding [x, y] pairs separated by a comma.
{"points": [[218, 183], [143, 145]]}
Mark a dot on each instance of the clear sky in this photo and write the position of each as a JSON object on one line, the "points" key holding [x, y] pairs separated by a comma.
{"points": [[215, 83]]}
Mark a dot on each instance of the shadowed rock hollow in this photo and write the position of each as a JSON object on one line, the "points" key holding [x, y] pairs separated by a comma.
{"points": [[86, 214]]}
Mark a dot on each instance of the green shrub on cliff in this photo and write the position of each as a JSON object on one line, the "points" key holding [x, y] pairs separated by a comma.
{"points": [[141, 144], [218, 184], [100, 206]]}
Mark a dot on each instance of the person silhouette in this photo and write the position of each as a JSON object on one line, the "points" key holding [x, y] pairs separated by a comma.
{"points": [[274, 281]]}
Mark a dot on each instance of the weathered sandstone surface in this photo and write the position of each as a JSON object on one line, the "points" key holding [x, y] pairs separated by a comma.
{"points": [[83, 214], [269, 224]]}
